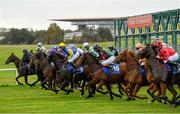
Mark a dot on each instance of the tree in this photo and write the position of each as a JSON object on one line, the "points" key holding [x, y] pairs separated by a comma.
{"points": [[55, 34], [18, 36], [41, 36], [89, 35], [104, 34]]}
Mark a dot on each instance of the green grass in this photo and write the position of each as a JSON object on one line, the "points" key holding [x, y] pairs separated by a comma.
{"points": [[23, 99], [16, 99]]}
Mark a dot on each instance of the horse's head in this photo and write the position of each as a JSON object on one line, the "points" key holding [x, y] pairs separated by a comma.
{"points": [[12, 58], [86, 58], [37, 58], [82, 59], [146, 52], [121, 57]]}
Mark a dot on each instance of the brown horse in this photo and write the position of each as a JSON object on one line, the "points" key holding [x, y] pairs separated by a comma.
{"points": [[163, 79], [133, 80], [22, 71], [44, 69], [98, 76]]}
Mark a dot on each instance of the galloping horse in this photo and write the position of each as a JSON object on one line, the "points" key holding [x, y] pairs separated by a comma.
{"points": [[134, 80], [99, 76], [22, 71], [45, 70], [163, 78]]}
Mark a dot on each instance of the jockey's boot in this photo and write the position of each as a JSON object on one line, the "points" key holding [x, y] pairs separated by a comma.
{"points": [[28, 69], [143, 70], [109, 66], [74, 67]]}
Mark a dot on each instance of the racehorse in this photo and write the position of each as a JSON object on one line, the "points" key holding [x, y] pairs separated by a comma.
{"points": [[22, 71], [63, 75], [164, 80], [97, 75], [45, 70], [134, 80]]}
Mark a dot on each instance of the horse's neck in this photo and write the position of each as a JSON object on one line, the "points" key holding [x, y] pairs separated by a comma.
{"points": [[132, 62], [16, 63], [92, 64], [94, 67], [154, 62], [58, 64]]}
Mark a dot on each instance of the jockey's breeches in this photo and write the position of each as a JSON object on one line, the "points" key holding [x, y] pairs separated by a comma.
{"points": [[75, 56], [174, 57], [109, 60]]}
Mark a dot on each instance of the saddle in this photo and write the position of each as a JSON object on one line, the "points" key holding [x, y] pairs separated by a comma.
{"points": [[173, 67], [72, 69]]}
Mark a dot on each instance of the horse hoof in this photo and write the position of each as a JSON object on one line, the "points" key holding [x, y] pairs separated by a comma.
{"points": [[128, 99], [149, 102], [32, 85], [145, 98], [163, 101], [89, 96], [111, 99], [79, 88]]}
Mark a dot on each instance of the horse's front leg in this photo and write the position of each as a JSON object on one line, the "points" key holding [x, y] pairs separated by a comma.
{"points": [[38, 79], [83, 85], [173, 91], [18, 80], [91, 88], [72, 86], [120, 88], [26, 80], [127, 90], [152, 90], [99, 88], [108, 86], [137, 87]]}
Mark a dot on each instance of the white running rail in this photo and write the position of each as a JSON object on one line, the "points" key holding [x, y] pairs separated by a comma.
{"points": [[10, 69]]}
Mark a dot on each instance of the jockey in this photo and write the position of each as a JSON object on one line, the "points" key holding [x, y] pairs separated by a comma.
{"points": [[90, 50], [102, 54], [53, 49], [112, 49], [107, 57], [25, 58], [40, 47], [71, 52], [78, 52], [167, 54], [142, 61], [110, 59]]}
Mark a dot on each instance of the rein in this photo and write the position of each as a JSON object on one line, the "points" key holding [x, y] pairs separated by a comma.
{"points": [[62, 60], [132, 62]]}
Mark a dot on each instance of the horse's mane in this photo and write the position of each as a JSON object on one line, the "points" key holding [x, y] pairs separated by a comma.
{"points": [[41, 55], [60, 55], [131, 53], [16, 57]]}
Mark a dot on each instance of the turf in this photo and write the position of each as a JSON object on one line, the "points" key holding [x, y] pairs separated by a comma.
{"points": [[23, 99]]}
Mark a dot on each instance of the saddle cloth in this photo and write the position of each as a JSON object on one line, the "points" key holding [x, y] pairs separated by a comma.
{"points": [[113, 69]]}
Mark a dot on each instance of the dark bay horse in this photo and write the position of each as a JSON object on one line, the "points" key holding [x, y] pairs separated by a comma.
{"points": [[45, 70], [98, 76], [22, 71], [63, 76], [134, 80], [163, 79]]}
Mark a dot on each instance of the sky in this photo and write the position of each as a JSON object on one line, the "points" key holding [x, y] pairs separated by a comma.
{"points": [[35, 14]]}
